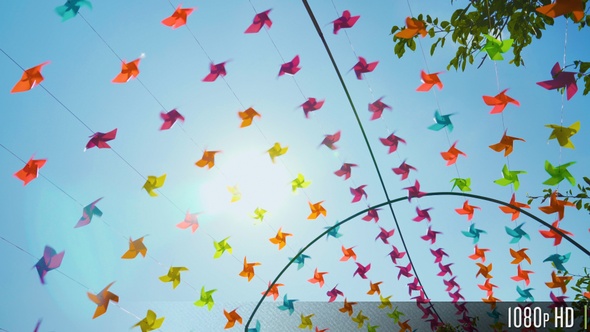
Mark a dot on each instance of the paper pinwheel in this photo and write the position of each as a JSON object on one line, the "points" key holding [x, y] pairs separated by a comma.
{"points": [[208, 159], [372, 214], [236, 195], [71, 8], [561, 79], [280, 239], [519, 256], [438, 254], [248, 270], [51, 260], [259, 214], [299, 260], [462, 184], [377, 107], [345, 21], [392, 141], [260, 20], [170, 118], [451, 283], [345, 170], [100, 140], [517, 233], [221, 247], [30, 78], [428, 81], [102, 300], [558, 281], [178, 18], [395, 315], [135, 247], [318, 278], [291, 67], [288, 305], [348, 253], [563, 7], [422, 214], [363, 67], [206, 298], [88, 212], [316, 210], [430, 235], [484, 270], [215, 70], [333, 294], [479, 253], [515, 213], [452, 154], [395, 254], [374, 288], [522, 275], [347, 307], [384, 235], [330, 140], [559, 173], [552, 234], [232, 317], [276, 151], [495, 47], [385, 302], [129, 70], [173, 275], [361, 270], [358, 193], [30, 171], [467, 210], [474, 233], [405, 271], [306, 322], [556, 206], [499, 102], [488, 287], [333, 232], [190, 220], [360, 319], [563, 134], [311, 105], [152, 183], [299, 183], [273, 290], [255, 329], [509, 177], [403, 170], [150, 322], [247, 116], [442, 121], [413, 28], [506, 144], [558, 260], [414, 191]]}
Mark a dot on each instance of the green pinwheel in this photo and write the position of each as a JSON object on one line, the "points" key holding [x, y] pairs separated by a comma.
{"points": [[509, 177], [559, 173]]}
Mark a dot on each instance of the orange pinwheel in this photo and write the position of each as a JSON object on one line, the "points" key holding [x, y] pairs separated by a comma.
{"points": [[506, 144], [556, 205], [102, 299], [347, 307], [499, 102], [31, 77], [480, 253], [558, 282], [452, 154], [562, 7], [522, 275], [247, 116], [374, 288], [316, 210], [280, 238], [135, 247], [404, 326], [488, 287], [248, 270], [413, 28], [178, 18], [129, 70], [348, 254], [552, 234], [491, 300], [318, 277], [429, 80], [232, 317], [467, 210], [208, 159], [519, 256], [273, 291], [484, 270], [30, 171], [515, 212]]}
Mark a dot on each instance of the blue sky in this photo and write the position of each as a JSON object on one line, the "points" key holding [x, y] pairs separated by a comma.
{"points": [[79, 76]]}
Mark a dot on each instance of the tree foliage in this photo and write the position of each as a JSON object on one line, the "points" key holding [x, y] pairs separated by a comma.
{"points": [[467, 26]]}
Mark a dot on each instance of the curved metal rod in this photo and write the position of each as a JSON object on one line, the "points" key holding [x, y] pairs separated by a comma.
{"points": [[399, 199]]}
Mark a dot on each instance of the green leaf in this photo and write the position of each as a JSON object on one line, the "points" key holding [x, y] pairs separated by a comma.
{"points": [[579, 204], [584, 66], [444, 24], [431, 32]]}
